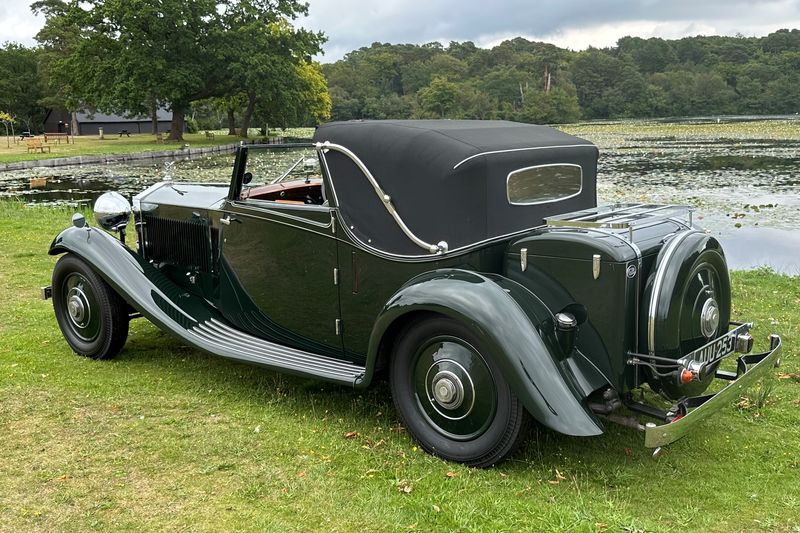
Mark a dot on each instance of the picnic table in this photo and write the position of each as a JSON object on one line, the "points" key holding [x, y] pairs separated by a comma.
{"points": [[57, 136], [124, 132], [25, 134]]}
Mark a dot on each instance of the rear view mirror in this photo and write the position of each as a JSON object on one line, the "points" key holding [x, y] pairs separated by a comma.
{"points": [[247, 178]]}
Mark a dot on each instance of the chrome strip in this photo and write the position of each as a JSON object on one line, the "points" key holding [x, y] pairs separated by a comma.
{"points": [[439, 248], [291, 225], [657, 282], [544, 201], [274, 209], [358, 243], [520, 150], [136, 207]]}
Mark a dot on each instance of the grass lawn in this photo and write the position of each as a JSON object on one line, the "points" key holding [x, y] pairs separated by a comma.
{"points": [[165, 438], [114, 144]]}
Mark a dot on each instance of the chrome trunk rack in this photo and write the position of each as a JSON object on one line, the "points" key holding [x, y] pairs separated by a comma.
{"points": [[623, 216]]}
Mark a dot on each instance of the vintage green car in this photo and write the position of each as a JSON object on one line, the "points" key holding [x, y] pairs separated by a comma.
{"points": [[468, 261]]}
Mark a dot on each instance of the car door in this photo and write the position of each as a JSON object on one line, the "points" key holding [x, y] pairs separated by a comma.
{"points": [[278, 256]]}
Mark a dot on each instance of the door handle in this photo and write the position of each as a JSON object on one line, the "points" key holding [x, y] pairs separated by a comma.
{"points": [[228, 219]]}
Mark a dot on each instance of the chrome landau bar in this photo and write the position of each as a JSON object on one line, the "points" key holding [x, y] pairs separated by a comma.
{"points": [[439, 248]]}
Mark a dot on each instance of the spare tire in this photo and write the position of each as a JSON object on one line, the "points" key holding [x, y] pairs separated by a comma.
{"points": [[686, 303]]}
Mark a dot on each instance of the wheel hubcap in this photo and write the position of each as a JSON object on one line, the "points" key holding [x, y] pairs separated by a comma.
{"points": [[80, 304], [448, 391], [78, 308], [455, 389], [709, 318]]}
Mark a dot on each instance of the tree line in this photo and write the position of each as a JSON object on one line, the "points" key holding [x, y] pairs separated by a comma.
{"points": [[243, 63], [542, 83], [133, 57]]}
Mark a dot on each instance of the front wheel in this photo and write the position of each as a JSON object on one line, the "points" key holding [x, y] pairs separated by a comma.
{"points": [[451, 396], [92, 317]]}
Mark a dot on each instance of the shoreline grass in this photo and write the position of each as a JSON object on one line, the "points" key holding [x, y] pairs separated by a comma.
{"points": [[115, 145], [165, 437]]}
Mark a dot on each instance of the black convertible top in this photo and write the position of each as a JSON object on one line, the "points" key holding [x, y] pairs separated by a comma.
{"points": [[447, 178]]}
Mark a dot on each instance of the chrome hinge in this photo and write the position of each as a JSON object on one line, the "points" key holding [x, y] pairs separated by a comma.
{"points": [[338, 326], [596, 266], [335, 276], [523, 259]]}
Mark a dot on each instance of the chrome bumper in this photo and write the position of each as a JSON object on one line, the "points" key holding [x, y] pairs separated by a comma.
{"points": [[749, 368]]}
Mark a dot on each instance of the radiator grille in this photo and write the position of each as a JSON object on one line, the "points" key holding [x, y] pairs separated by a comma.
{"points": [[184, 243]]}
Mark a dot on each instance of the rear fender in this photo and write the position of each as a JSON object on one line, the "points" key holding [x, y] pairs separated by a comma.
{"points": [[508, 319]]}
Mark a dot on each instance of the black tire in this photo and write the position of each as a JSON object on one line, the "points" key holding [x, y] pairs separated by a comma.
{"points": [[482, 422], [696, 272], [92, 317]]}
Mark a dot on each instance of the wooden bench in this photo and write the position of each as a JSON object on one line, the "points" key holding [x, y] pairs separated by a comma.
{"points": [[58, 137], [209, 135], [35, 145]]}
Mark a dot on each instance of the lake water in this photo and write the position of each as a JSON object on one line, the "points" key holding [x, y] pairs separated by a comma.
{"points": [[746, 189], [744, 181]]}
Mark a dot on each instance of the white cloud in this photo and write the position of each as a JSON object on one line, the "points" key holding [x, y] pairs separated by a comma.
{"points": [[605, 35], [18, 23], [575, 24]]}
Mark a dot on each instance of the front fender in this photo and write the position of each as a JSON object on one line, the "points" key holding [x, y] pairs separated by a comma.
{"points": [[187, 316], [492, 306], [134, 279]]}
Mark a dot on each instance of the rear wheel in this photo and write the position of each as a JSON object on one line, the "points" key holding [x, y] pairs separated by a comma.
{"points": [[451, 396], [92, 317]]}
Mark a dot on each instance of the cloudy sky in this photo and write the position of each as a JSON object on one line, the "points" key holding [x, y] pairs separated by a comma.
{"points": [[575, 24]]}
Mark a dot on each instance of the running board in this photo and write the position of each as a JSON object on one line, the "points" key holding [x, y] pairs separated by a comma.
{"points": [[190, 318], [221, 339]]}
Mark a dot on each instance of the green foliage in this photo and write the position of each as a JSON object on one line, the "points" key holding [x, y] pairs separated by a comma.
{"points": [[637, 78], [191, 125], [21, 86], [127, 56], [556, 106], [439, 98]]}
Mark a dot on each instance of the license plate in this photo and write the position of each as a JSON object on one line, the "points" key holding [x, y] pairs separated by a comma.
{"points": [[718, 348]]}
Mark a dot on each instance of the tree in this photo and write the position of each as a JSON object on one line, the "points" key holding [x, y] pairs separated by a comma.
{"points": [[595, 74], [129, 54], [553, 107], [300, 97], [7, 121], [269, 54], [439, 97], [21, 87], [637, 78], [651, 55]]}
